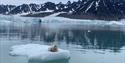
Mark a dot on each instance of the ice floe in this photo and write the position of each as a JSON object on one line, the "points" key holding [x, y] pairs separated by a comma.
{"points": [[39, 52]]}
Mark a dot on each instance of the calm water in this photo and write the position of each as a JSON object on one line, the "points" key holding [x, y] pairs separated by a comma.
{"points": [[85, 44]]}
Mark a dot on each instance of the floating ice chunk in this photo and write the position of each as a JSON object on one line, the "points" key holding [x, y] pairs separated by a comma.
{"points": [[39, 52], [115, 23], [89, 30]]}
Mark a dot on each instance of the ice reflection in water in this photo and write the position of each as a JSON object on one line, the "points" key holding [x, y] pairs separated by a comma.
{"points": [[68, 35], [54, 61], [88, 39]]}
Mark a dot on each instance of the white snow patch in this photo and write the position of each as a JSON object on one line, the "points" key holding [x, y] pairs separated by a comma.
{"points": [[97, 4], [31, 12], [89, 7], [57, 8], [53, 15], [65, 7], [39, 52]]}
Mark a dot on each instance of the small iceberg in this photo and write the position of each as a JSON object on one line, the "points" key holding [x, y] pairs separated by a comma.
{"points": [[39, 52]]}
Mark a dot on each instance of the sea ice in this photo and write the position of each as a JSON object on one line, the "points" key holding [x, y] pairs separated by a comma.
{"points": [[39, 52]]}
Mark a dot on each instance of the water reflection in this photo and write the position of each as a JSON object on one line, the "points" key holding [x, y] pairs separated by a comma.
{"points": [[54, 61], [112, 40], [88, 39]]}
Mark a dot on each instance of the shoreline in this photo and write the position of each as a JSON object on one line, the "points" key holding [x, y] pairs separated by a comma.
{"points": [[38, 14], [76, 16]]}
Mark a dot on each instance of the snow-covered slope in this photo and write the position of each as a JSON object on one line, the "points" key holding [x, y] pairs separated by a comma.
{"points": [[103, 8], [4, 9]]}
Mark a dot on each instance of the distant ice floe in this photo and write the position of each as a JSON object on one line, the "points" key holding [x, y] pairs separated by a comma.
{"points": [[39, 52]]}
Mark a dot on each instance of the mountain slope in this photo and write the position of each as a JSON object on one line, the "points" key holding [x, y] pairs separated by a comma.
{"points": [[97, 9]]}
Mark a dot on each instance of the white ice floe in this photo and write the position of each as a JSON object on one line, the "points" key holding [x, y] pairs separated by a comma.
{"points": [[39, 52]]}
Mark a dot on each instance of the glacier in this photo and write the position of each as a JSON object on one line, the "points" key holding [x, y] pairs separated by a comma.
{"points": [[55, 22]]}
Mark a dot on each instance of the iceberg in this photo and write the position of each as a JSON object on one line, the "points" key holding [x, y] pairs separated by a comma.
{"points": [[39, 52]]}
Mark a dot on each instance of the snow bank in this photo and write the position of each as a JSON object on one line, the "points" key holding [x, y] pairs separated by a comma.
{"points": [[39, 52]]}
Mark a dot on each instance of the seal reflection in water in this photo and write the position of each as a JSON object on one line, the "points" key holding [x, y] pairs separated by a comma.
{"points": [[54, 61]]}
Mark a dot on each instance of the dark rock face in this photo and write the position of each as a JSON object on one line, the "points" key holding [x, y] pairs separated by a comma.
{"points": [[99, 8], [50, 6], [4, 9], [102, 7], [20, 9]]}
